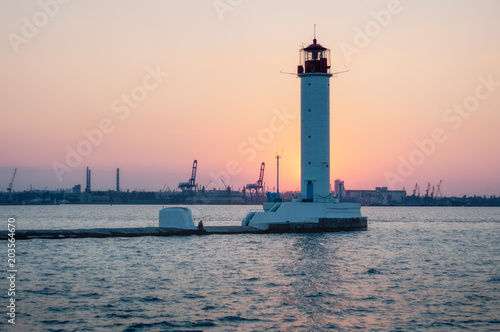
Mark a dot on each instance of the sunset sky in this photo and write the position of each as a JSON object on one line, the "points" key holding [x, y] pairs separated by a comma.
{"points": [[149, 86]]}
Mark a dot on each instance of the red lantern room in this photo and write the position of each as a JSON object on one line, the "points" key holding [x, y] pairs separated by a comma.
{"points": [[314, 59]]}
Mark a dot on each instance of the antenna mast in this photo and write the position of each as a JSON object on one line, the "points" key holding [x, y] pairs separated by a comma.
{"points": [[278, 175]]}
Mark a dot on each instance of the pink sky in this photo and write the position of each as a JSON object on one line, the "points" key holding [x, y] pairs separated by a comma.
{"points": [[161, 83]]}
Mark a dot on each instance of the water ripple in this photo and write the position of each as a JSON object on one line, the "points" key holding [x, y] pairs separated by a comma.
{"points": [[431, 272]]}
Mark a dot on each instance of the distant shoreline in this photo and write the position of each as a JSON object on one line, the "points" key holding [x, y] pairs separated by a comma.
{"points": [[160, 203]]}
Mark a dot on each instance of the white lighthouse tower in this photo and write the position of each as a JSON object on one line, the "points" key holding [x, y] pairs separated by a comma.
{"points": [[315, 209], [314, 73]]}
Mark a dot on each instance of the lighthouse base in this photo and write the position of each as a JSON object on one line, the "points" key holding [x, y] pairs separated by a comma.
{"points": [[308, 217]]}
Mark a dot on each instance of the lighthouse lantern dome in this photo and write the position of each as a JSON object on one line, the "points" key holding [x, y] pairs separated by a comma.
{"points": [[314, 59]]}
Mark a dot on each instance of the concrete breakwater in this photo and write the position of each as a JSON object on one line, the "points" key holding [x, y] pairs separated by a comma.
{"points": [[329, 225]]}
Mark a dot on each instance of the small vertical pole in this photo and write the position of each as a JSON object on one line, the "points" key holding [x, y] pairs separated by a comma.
{"points": [[117, 180], [278, 175]]}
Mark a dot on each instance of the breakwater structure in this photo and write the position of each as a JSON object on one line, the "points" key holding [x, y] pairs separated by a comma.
{"points": [[167, 231]]}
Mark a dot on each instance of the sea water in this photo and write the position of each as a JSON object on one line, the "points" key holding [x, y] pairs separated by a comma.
{"points": [[416, 268]]}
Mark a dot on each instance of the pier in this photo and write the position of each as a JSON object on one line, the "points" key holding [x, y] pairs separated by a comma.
{"points": [[324, 226]]}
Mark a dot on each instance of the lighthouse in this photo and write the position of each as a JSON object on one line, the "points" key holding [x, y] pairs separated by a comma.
{"points": [[314, 209], [314, 73]]}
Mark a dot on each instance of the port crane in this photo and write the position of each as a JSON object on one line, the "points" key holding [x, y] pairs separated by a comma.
{"points": [[206, 187], [415, 190], [438, 191], [11, 184], [226, 187], [427, 190], [259, 185], [191, 184]]}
